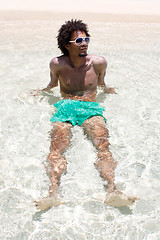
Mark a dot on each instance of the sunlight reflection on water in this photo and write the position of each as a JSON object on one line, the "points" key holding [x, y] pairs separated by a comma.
{"points": [[133, 117]]}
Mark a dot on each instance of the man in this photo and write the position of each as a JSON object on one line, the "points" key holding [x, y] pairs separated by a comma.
{"points": [[79, 74]]}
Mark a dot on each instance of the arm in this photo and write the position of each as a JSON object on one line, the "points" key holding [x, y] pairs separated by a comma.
{"points": [[102, 66], [53, 77]]}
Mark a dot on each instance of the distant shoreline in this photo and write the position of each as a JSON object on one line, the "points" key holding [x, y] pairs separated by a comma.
{"points": [[13, 15]]}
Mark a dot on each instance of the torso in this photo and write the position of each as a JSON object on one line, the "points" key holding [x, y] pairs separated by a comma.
{"points": [[78, 83]]}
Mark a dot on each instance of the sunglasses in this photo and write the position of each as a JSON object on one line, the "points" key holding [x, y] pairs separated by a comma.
{"points": [[78, 41]]}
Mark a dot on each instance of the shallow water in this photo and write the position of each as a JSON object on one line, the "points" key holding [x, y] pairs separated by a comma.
{"points": [[133, 114]]}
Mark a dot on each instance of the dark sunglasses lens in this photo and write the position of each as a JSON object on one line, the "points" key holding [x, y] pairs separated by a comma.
{"points": [[79, 41], [87, 39]]}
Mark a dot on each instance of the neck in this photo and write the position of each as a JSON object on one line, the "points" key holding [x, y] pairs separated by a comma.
{"points": [[78, 61]]}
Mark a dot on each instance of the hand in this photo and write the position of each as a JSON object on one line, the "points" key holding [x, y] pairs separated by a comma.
{"points": [[110, 90], [35, 92]]}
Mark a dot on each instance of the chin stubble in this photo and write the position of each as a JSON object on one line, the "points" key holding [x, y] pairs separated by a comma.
{"points": [[82, 54]]}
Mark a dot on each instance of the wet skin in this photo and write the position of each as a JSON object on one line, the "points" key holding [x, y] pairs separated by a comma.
{"points": [[79, 75]]}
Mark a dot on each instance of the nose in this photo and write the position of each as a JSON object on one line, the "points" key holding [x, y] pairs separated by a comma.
{"points": [[84, 43]]}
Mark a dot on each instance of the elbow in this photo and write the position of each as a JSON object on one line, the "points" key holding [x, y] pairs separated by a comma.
{"points": [[52, 85]]}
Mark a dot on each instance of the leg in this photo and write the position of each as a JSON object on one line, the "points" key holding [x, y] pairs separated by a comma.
{"points": [[96, 130], [60, 139]]}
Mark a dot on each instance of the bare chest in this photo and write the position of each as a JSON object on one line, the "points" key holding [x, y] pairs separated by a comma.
{"points": [[72, 79]]}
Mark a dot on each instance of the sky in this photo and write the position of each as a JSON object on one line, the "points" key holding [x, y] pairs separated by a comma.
{"points": [[151, 7]]}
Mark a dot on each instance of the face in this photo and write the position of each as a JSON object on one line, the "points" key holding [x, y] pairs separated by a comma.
{"points": [[81, 50]]}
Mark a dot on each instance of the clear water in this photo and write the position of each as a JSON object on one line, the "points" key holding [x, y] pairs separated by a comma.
{"points": [[133, 54]]}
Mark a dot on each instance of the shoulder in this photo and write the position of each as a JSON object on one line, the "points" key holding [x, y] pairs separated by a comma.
{"points": [[98, 62], [58, 62]]}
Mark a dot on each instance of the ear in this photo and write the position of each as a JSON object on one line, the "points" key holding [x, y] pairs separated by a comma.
{"points": [[67, 46]]}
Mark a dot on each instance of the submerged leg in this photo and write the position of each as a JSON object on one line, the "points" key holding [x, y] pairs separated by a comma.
{"points": [[60, 139], [98, 133], [96, 130]]}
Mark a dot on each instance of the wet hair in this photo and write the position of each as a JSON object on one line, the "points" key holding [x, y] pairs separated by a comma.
{"points": [[66, 31]]}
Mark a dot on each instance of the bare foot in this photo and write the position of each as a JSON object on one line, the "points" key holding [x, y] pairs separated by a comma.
{"points": [[119, 199], [48, 202]]}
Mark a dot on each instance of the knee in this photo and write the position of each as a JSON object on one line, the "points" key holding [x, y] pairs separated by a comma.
{"points": [[101, 143], [62, 167], [105, 164], [58, 164]]}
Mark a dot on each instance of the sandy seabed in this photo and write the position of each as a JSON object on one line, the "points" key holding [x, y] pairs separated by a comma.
{"points": [[131, 46]]}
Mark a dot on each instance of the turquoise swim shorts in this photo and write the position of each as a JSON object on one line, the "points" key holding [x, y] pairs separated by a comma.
{"points": [[75, 111]]}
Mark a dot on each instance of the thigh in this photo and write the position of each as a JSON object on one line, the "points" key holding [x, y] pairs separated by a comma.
{"points": [[60, 136], [61, 128], [95, 127]]}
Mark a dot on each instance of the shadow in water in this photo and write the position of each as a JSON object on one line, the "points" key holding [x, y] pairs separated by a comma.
{"points": [[125, 210], [100, 97], [38, 215], [50, 97]]}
